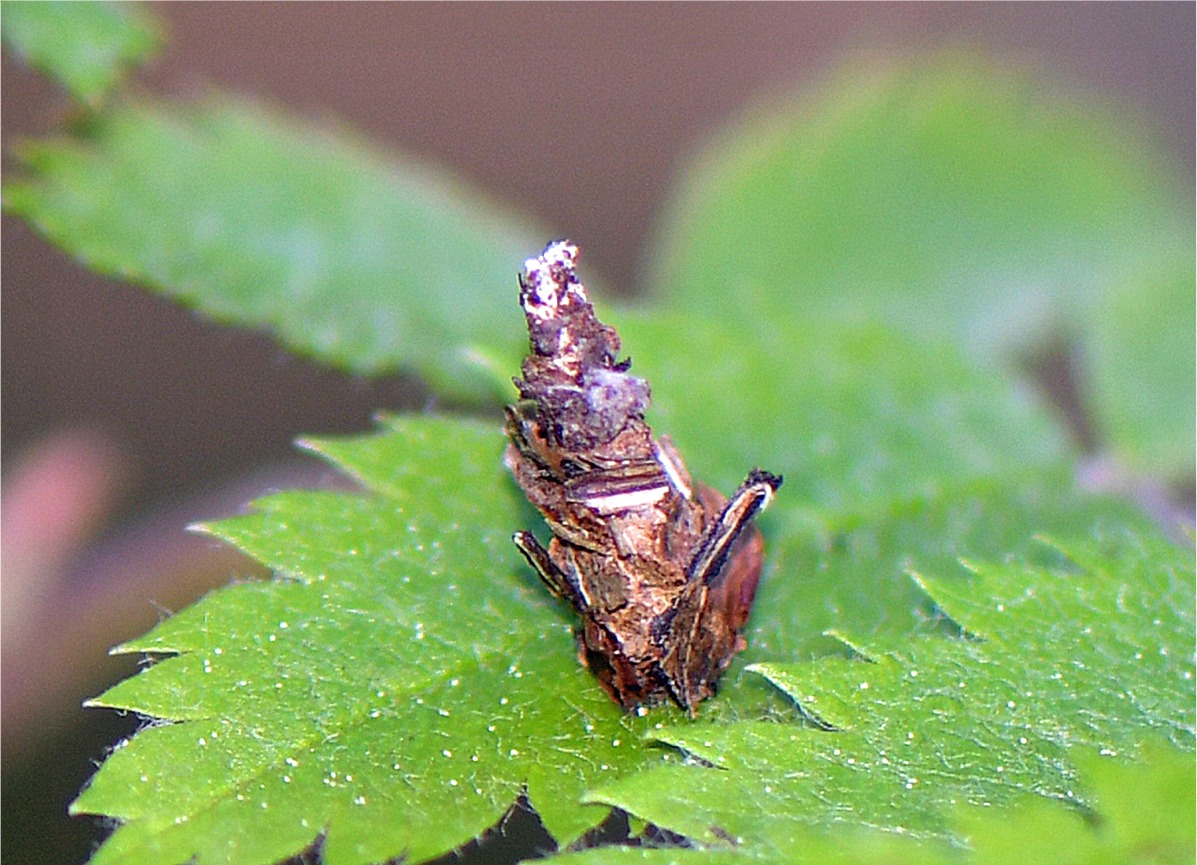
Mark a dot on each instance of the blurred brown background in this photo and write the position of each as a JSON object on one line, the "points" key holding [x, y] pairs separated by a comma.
{"points": [[125, 417]]}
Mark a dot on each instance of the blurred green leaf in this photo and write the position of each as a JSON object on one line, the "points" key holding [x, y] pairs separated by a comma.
{"points": [[955, 199], [1144, 817], [1138, 351], [364, 263], [87, 47]]}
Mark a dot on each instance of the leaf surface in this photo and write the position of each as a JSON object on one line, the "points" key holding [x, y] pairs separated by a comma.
{"points": [[1144, 818], [405, 667], [1094, 654], [893, 451], [851, 414], [86, 47]]}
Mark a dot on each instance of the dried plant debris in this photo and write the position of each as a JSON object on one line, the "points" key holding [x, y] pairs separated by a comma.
{"points": [[662, 569]]}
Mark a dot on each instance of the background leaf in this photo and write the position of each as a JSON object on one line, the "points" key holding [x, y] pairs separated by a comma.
{"points": [[1135, 350], [86, 47], [369, 265], [954, 198]]}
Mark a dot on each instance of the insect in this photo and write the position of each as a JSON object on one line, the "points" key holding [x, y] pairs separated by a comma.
{"points": [[662, 570]]}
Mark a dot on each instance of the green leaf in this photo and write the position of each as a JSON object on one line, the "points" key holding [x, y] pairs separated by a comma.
{"points": [[360, 261], [850, 571], [1095, 653], [1144, 816], [852, 415], [405, 668], [407, 665], [1135, 349], [892, 450], [86, 47], [953, 198]]}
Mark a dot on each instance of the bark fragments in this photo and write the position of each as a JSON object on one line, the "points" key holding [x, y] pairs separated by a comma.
{"points": [[662, 570]]}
